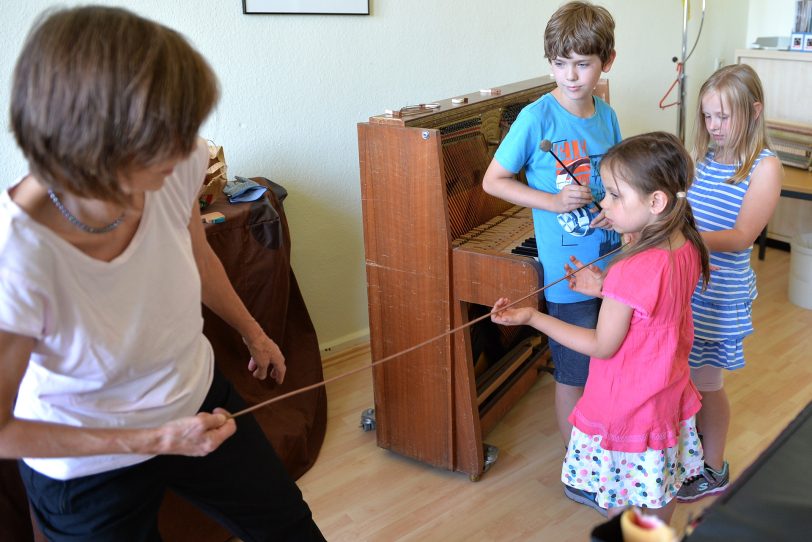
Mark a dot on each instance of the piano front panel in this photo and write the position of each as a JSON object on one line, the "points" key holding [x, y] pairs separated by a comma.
{"points": [[483, 277], [408, 280]]}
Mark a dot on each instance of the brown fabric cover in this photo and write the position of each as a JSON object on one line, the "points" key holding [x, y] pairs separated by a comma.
{"points": [[254, 246]]}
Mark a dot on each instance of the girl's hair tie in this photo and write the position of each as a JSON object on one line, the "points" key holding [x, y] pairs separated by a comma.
{"points": [[680, 194]]}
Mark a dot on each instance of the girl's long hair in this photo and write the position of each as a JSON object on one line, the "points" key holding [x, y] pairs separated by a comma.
{"points": [[739, 88], [652, 162]]}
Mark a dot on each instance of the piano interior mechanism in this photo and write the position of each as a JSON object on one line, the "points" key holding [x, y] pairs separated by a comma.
{"points": [[439, 253]]}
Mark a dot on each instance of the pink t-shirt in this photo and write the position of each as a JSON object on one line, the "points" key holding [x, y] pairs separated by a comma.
{"points": [[636, 399]]}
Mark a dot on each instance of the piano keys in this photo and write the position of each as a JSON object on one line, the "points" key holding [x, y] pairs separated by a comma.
{"points": [[510, 232]]}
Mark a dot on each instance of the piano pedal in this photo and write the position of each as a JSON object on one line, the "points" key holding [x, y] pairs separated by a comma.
{"points": [[368, 420]]}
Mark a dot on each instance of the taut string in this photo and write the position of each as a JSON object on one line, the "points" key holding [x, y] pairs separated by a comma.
{"points": [[415, 347]]}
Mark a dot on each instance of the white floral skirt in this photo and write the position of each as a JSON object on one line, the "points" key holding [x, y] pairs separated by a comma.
{"points": [[647, 479]]}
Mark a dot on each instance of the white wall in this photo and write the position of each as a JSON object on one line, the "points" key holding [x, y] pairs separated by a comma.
{"points": [[770, 19], [295, 86]]}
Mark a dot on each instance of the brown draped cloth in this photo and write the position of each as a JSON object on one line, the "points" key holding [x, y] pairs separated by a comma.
{"points": [[254, 246]]}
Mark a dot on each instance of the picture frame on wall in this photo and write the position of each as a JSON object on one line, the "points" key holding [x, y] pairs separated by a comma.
{"points": [[311, 7]]}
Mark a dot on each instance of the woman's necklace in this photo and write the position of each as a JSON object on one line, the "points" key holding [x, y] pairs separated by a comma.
{"points": [[78, 223]]}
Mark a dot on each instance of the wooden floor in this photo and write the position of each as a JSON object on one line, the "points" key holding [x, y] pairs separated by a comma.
{"points": [[359, 492]]}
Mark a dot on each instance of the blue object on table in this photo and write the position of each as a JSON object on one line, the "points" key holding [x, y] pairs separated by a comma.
{"points": [[242, 189]]}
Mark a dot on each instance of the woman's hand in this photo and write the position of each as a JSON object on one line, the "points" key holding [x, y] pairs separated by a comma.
{"points": [[196, 435], [587, 281], [510, 317], [265, 355]]}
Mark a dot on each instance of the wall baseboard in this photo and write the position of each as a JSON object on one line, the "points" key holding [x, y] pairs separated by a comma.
{"points": [[348, 344]]}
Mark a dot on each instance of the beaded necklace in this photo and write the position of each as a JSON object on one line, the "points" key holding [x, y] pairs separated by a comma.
{"points": [[78, 223]]}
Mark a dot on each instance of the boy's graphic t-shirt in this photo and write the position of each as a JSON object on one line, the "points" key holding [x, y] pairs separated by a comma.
{"points": [[579, 143]]}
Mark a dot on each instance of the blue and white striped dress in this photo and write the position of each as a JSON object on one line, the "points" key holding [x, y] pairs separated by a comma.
{"points": [[722, 313]]}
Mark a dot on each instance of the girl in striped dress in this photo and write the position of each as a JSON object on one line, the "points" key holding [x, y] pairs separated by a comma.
{"points": [[734, 193]]}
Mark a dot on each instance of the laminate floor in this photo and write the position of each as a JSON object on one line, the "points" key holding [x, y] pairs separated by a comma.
{"points": [[359, 492]]}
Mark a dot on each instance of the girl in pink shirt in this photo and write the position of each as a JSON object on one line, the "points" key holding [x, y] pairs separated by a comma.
{"points": [[634, 438]]}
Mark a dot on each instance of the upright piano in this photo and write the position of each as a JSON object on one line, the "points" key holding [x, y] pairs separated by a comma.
{"points": [[439, 253]]}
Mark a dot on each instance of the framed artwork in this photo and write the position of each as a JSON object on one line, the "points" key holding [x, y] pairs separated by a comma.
{"points": [[314, 7]]}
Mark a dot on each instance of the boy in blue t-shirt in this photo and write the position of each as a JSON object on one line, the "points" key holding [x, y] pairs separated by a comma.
{"points": [[579, 44]]}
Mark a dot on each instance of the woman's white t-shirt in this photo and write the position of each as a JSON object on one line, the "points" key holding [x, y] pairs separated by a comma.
{"points": [[120, 344]]}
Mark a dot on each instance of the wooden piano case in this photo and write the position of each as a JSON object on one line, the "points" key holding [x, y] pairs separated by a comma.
{"points": [[422, 200]]}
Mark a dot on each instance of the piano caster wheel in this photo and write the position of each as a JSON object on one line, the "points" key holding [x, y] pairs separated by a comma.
{"points": [[491, 453], [368, 420]]}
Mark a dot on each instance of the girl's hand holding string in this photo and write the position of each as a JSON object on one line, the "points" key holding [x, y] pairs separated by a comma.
{"points": [[512, 316], [588, 281]]}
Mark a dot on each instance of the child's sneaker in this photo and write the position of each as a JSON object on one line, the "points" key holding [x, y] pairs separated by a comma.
{"points": [[710, 482], [584, 497]]}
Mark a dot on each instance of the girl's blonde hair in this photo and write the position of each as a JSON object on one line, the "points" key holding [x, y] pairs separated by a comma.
{"points": [[652, 162], [739, 88]]}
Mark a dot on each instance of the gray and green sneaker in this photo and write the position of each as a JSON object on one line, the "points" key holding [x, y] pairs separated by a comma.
{"points": [[709, 482], [584, 497]]}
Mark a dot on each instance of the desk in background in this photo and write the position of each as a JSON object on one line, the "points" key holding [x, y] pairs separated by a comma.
{"points": [[797, 185]]}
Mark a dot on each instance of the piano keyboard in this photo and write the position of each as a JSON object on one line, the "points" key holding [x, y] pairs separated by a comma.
{"points": [[510, 232], [528, 247]]}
